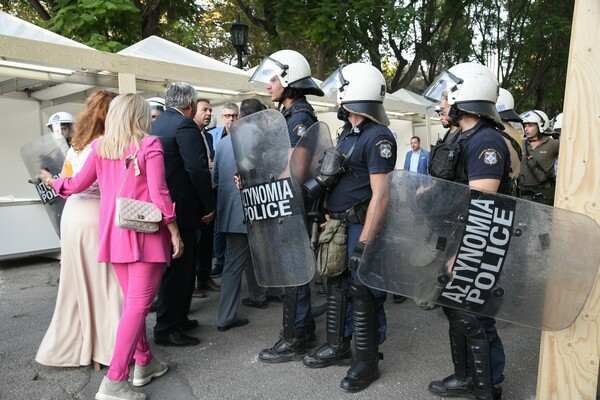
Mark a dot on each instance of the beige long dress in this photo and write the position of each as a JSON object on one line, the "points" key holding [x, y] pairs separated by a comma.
{"points": [[89, 300]]}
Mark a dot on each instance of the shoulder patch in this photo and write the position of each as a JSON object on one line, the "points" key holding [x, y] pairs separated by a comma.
{"points": [[300, 129], [385, 149], [490, 156]]}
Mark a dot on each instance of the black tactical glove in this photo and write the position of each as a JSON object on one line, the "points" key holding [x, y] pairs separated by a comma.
{"points": [[356, 256]]}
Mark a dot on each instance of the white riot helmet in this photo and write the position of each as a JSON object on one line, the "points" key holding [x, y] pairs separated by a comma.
{"points": [[60, 117], [538, 118], [156, 103], [57, 120], [470, 88], [360, 88], [557, 124], [506, 106], [291, 68]]}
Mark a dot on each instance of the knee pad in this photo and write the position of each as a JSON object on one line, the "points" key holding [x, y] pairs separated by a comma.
{"points": [[468, 324], [359, 292]]}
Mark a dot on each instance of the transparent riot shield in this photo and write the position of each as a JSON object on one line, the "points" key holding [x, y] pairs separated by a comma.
{"points": [[304, 166], [47, 152], [308, 153], [273, 206], [491, 254]]}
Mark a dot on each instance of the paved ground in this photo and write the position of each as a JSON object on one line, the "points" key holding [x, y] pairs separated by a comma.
{"points": [[225, 364]]}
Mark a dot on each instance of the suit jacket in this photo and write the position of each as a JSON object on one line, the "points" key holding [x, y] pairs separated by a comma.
{"points": [[217, 135], [423, 161], [230, 213], [123, 245], [186, 167]]}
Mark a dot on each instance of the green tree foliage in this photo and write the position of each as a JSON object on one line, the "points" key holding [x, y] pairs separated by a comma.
{"points": [[103, 24]]}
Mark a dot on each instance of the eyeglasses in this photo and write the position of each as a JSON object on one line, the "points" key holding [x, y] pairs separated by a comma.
{"points": [[227, 116]]}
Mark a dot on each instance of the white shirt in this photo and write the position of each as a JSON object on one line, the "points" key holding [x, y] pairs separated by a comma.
{"points": [[414, 160]]}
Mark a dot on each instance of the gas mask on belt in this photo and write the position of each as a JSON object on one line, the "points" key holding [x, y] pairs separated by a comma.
{"points": [[330, 171]]}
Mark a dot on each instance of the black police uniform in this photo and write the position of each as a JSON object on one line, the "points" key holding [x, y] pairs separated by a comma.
{"points": [[299, 117], [477, 351], [353, 308], [298, 326]]}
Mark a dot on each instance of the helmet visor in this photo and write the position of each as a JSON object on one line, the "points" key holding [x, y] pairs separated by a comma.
{"points": [[433, 110], [445, 83], [335, 82], [267, 69]]}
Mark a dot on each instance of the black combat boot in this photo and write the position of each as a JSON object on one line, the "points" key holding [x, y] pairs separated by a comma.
{"points": [[337, 349], [460, 383], [285, 349], [292, 345], [365, 368]]}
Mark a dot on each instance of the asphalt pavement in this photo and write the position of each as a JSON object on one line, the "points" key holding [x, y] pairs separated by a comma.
{"points": [[225, 365]]}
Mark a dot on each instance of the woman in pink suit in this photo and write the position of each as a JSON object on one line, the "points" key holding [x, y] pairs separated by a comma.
{"points": [[137, 258]]}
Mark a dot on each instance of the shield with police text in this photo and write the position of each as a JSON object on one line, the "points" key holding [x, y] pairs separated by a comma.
{"points": [[499, 256], [46, 152], [273, 206]]}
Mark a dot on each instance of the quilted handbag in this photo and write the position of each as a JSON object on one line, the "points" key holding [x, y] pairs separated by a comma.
{"points": [[136, 215]]}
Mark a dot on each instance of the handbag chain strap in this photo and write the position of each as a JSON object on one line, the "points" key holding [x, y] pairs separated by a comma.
{"points": [[129, 160]]}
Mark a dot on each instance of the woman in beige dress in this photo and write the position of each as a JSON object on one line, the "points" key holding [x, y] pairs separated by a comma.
{"points": [[89, 300]]}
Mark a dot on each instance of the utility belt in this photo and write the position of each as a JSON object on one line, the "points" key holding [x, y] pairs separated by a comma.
{"points": [[357, 214]]}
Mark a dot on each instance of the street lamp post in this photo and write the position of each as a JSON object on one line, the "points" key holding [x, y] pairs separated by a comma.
{"points": [[239, 39]]}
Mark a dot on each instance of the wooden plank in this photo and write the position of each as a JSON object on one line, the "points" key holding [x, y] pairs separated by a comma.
{"points": [[568, 364], [126, 83]]}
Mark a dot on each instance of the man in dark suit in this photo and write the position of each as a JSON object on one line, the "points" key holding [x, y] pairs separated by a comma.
{"points": [[205, 234], [417, 159], [189, 182]]}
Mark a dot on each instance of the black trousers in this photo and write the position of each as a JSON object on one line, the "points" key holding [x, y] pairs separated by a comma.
{"points": [[176, 286]]}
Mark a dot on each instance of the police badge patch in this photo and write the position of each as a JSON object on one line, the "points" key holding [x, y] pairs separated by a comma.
{"points": [[385, 150], [300, 130], [490, 156]]}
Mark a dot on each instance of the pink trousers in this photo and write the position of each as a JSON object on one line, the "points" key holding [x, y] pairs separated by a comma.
{"points": [[139, 282]]}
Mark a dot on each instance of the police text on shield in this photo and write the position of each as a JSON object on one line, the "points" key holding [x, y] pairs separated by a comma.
{"points": [[482, 251], [269, 200], [46, 194]]}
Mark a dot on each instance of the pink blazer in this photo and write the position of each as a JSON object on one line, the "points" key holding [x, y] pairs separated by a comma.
{"points": [[121, 245]]}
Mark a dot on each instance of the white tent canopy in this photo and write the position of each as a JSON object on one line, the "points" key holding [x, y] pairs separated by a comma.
{"points": [[414, 103], [156, 48], [13, 26], [36, 63]]}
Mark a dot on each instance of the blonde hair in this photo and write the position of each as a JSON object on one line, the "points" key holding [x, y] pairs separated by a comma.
{"points": [[127, 123]]}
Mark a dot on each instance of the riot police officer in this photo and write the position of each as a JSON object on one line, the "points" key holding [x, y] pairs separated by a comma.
{"points": [[61, 124], [288, 78], [541, 152], [369, 153], [512, 121], [467, 93]]}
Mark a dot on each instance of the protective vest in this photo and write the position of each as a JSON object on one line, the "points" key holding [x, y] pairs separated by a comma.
{"points": [[447, 161], [299, 106]]}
